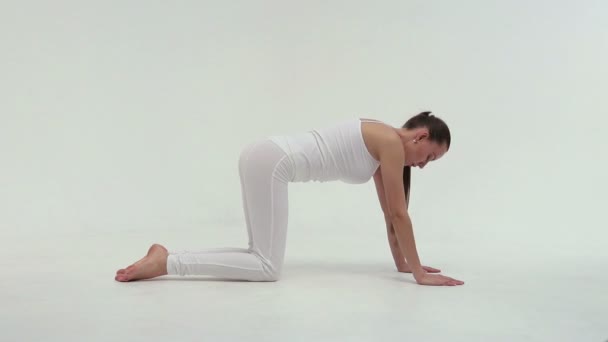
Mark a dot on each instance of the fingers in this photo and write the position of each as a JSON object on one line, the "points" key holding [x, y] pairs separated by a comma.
{"points": [[448, 281], [440, 280], [453, 282], [431, 269]]}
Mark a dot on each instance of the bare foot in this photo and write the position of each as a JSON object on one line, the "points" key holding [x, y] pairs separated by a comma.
{"points": [[154, 264]]}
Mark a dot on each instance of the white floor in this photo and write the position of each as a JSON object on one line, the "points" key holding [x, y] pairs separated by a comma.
{"points": [[61, 288]]}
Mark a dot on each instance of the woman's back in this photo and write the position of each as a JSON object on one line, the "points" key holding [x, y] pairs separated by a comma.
{"points": [[334, 152]]}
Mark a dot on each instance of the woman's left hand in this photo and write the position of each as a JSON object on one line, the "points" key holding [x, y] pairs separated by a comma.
{"points": [[405, 268]]}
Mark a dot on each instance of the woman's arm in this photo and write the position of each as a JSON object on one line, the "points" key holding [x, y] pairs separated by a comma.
{"points": [[391, 170], [392, 161], [398, 257], [390, 230], [400, 262]]}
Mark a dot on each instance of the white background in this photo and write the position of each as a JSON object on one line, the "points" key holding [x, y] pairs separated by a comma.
{"points": [[121, 123]]}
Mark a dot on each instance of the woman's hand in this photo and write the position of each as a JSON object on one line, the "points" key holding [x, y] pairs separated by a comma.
{"points": [[405, 268], [437, 280]]}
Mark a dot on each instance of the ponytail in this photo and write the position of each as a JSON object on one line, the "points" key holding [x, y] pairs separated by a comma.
{"points": [[407, 173]]}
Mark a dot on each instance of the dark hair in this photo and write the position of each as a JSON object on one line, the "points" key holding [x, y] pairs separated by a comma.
{"points": [[438, 132]]}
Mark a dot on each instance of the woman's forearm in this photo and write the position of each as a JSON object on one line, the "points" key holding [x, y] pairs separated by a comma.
{"points": [[405, 237], [394, 244]]}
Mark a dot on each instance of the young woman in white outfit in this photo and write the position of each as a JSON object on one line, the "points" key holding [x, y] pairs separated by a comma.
{"points": [[352, 151]]}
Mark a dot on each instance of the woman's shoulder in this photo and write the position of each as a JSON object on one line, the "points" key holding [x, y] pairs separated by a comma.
{"points": [[376, 134], [377, 128]]}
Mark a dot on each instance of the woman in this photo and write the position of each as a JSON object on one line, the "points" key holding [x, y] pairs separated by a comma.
{"points": [[351, 151]]}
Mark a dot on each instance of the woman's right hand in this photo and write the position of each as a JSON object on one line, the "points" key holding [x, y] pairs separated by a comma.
{"points": [[437, 280]]}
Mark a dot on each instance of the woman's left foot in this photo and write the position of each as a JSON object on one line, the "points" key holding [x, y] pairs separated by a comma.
{"points": [[154, 264]]}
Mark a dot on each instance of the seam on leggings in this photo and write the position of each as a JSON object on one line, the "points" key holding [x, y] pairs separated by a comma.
{"points": [[272, 203], [248, 222], [222, 265], [242, 174], [209, 250]]}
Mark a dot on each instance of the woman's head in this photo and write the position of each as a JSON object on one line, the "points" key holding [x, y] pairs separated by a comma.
{"points": [[427, 138]]}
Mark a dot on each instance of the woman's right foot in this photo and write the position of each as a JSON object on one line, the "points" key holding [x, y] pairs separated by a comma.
{"points": [[154, 264]]}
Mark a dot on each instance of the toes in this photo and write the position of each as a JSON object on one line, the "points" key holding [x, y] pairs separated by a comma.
{"points": [[126, 275], [134, 273], [121, 277], [127, 270]]}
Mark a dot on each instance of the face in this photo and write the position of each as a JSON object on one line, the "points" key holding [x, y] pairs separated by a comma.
{"points": [[423, 151]]}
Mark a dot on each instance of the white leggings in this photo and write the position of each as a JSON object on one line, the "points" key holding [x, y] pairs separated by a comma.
{"points": [[265, 172]]}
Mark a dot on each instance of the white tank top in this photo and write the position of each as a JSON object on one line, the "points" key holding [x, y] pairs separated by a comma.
{"points": [[336, 152]]}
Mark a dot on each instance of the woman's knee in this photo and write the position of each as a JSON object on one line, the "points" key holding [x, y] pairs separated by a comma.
{"points": [[272, 277], [272, 271]]}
